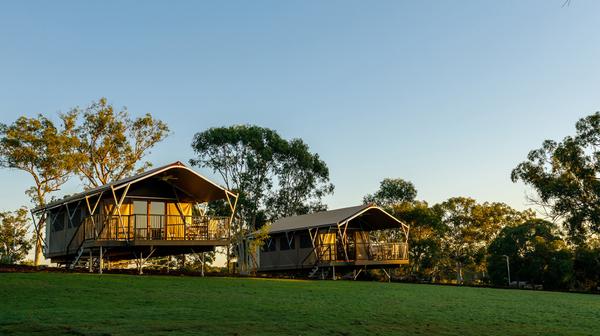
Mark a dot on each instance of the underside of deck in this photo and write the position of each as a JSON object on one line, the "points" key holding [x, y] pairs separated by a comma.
{"points": [[128, 250]]}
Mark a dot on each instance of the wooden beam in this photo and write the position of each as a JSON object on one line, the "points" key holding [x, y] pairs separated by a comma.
{"points": [[92, 210], [118, 204], [37, 226]]}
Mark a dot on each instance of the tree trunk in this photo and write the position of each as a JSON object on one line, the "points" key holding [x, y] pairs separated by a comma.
{"points": [[38, 250], [40, 230], [459, 277]]}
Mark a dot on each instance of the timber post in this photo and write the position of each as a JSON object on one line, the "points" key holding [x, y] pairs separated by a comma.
{"points": [[100, 262]]}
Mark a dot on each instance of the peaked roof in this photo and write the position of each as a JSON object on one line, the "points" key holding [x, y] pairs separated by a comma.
{"points": [[203, 187], [329, 218]]}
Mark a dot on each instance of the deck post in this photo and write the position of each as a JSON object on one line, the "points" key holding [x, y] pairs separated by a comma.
{"points": [[90, 262], [229, 224], [141, 264], [100, 262], [333, 269], [387, 274]]}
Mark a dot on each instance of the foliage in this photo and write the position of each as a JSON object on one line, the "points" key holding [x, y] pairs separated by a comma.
{"points": [[43, 150], [265, 169], [397, 196], [565, 176], [536, 255], [199, 262], [302, 179], [259, 238], [273, 177], [470, 227], [425, 238], [586, 268], [392, 191], [158, 305], [112, 143], [14, 237], [242, 156]]}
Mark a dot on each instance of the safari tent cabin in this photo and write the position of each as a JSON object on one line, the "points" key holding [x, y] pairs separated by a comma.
{"points": [[353, 238], [157, 213]]}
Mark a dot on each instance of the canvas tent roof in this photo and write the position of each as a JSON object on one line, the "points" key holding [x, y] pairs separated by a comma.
{"points": [[370, 212], [176, 173]]}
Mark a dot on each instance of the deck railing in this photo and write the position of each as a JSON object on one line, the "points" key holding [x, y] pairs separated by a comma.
{"points": [[155, 227], [362, 251], [383, 251]]}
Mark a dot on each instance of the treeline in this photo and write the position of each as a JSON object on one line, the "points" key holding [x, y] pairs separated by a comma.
{"points": [[463, 241]]}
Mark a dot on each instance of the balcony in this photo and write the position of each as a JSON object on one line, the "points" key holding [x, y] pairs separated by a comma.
{"points": [[154, 227], [357, 252]]}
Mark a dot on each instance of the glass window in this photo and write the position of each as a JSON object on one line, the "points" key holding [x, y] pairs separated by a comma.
{"points": [[140, 215], [269, 245], [287, 243], [76, 218], [59, 223], [157, 208], [305, 241], [140, 207]]}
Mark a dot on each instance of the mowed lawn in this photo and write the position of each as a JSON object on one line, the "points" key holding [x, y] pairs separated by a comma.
{"points": [[91, 304]]}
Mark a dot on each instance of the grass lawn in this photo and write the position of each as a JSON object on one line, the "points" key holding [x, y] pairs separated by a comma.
{"points": [[91, 304]]}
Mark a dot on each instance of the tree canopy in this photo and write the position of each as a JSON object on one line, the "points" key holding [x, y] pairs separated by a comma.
{"points": [[112, 144], [43, 150], [565, 177], [14, 241], [425, 238], [470, 227], [273, 176], [392, 191], [535, 253]]}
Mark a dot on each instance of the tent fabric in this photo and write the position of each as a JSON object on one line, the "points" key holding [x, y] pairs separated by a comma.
{"points": [[118, 228], [370, 212], [317, 219], [178, 214], [194, 184], [327, 245], [362, 242]]}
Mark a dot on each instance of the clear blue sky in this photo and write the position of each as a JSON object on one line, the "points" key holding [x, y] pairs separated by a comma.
{"points": [[450, 95]]}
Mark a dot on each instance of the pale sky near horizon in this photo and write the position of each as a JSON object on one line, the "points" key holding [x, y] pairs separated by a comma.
{"points": [[449, 95]]}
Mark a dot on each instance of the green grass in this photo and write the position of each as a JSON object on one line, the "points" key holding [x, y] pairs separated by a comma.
{"points": [[90, 304]]}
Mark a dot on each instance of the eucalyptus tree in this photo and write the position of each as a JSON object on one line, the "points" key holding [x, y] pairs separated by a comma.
{"points": [[470, 227], [535, 253], [566, 178], [43, 150], [392, 191], [112, 144], [243, 155], [273, 177], [14, 238], [302, 180], [397, 196], [425, 238]]}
